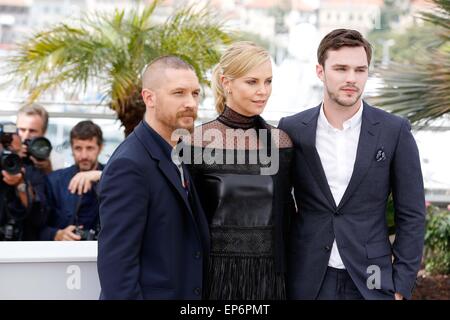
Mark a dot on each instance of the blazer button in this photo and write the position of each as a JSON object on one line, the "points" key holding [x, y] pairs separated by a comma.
{"points": [[327, 248], [198, 255], [197, 291], [337, 213]]}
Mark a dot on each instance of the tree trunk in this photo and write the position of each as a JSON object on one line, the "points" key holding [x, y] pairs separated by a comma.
{"points": [[131, 113]]}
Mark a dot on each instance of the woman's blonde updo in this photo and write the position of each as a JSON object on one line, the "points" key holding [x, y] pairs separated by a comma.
{"points": [[236, 61]]}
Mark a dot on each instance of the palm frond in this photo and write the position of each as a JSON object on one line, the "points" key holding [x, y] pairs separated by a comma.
{"points": [[192, 33], [421, 90], [111, 50], [440, 16]]}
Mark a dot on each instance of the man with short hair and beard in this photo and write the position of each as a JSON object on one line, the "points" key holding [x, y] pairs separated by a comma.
{"points": [[349, 157], [154, 238], [72, 196]]}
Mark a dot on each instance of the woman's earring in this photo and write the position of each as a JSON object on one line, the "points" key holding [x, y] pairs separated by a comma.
{"points": [[229, 91]]}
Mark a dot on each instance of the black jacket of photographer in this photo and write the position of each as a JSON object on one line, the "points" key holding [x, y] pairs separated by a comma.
{"points": [[29, 220]]}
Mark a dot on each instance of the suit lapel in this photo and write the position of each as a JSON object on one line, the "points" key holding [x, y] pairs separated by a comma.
{"points": [[308, 145], [202, 223], [370, 130], [168, 169], [171, 173]]}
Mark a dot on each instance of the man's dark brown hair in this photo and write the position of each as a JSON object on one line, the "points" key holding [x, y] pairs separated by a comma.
{"points": [[86, 130], [342, 38]]}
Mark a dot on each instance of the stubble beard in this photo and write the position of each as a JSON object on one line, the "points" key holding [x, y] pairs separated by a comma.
{"points": [[91, 166], [172, 124], [341, 102], [186, 113]]}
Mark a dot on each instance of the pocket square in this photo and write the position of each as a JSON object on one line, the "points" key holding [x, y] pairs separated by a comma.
{"points": [[380, 156]]}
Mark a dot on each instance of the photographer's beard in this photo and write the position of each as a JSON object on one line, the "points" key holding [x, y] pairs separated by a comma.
{"points": [[87, 165], [86, 152]]}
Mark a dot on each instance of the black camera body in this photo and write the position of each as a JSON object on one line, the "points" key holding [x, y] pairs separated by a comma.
{"points": [[89, 235], [11, 231], [9, 160], [39, 148]]}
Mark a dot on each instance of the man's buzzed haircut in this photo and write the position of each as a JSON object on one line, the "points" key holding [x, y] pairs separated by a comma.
{"points": [[153, 71]]}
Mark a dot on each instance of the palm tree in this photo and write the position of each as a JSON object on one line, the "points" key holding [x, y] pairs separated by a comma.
{"points": [[112, 50], [421, 90]]}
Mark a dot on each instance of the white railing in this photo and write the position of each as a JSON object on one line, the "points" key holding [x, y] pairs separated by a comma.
{"points": [[49, 270]]}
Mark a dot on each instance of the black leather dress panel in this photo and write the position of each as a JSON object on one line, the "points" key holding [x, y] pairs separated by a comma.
{"points": [[239, 199]]}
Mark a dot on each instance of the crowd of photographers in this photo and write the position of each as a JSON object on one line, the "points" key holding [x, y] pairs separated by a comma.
{"points": [[37, 202]]}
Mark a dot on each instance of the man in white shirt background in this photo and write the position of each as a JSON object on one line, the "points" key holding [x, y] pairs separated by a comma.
{"points": [[349, 157]]}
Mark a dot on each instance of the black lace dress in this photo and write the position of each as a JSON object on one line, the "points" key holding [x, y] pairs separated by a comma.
{"points": [[248, 202]]}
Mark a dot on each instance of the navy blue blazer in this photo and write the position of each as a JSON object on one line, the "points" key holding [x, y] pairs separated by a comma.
{"points": [[387, 160], [62, 203], [154, 239]]}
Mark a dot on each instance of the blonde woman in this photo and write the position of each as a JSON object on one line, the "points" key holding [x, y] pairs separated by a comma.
{"points": [[242, 173]]}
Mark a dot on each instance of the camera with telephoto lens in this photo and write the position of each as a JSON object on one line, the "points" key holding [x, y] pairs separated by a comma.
{"points": [[39, 148], [89, 235], [9, 160]]}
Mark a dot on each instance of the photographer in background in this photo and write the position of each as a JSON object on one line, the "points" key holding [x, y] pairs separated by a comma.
{"points": [[32, 123], [71, 191], [22, 191]]}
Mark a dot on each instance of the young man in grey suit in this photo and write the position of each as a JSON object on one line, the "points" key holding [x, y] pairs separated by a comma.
{"points": [[349, 157]]}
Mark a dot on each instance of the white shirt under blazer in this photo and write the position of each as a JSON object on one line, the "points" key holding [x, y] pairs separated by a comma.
{"points": [[337, 151]]}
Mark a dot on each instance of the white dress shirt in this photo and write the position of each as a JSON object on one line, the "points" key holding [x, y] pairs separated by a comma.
{"points": [[337, 151]]}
